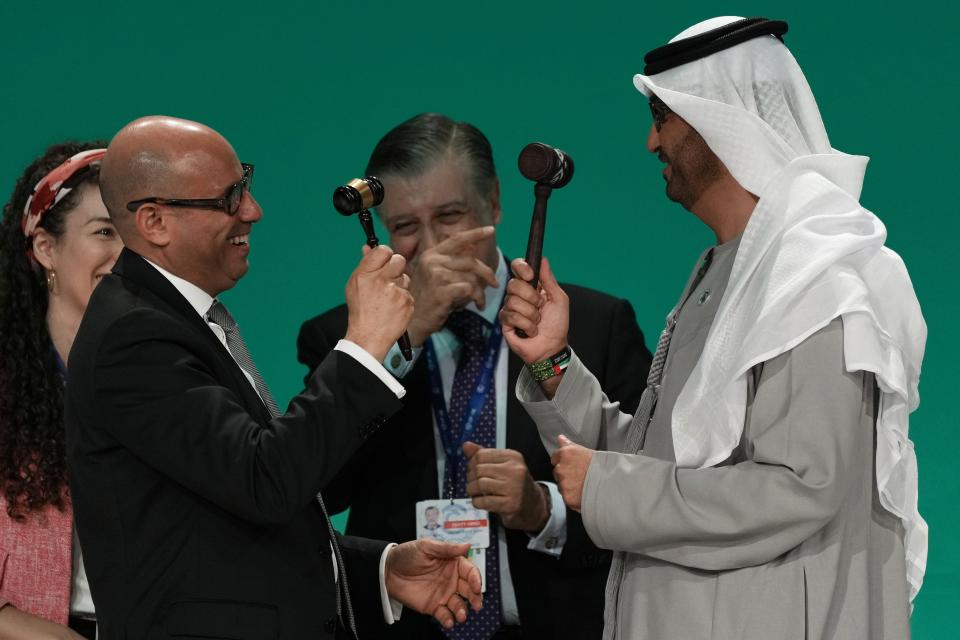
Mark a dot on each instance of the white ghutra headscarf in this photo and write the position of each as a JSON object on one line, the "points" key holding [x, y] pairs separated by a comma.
{"points": [[809, 254]]}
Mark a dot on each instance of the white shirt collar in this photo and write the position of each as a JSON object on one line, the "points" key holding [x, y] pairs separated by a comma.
{"points": [[199, 299]]}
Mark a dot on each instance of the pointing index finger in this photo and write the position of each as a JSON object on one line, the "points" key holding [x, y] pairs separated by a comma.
{"points": [[458, 241]]}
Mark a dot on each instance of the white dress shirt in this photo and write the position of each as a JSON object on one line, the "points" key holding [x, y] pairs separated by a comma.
{"points": [[553, 536], [81, 600]]}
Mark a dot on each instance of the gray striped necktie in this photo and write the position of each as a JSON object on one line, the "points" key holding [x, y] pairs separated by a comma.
{"points": [[219, 315]]}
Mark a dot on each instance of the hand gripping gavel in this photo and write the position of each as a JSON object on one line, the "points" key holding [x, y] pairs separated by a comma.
{"points": [[359, 196], [550, 169]]}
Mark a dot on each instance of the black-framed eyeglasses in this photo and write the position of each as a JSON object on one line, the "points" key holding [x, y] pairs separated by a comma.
{"points": [[660, 112], [229, 203]]}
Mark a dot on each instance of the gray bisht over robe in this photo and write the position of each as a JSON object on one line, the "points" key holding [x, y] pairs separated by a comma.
{"points": [[785, 539]]}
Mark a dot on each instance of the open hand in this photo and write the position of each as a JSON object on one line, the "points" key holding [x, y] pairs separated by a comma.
{"points": [[435, 578], [498, 480], [20, 625], [570, 464]]}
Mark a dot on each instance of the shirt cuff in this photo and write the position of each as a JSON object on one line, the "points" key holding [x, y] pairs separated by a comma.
{"points": [[391, 608], [553, 536], [360, 355], [396, 364]]}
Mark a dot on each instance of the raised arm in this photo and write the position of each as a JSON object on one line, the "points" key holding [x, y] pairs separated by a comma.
{"points": [[586, 415]]}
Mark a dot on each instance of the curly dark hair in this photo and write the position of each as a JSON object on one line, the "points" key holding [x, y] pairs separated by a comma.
{"points": [[33, 464]]}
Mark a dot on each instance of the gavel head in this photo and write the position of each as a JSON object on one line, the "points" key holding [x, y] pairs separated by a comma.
{"points": [[545, 165], [357, 195]]}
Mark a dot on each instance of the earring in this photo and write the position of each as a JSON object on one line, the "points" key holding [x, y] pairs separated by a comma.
{"points": [[51, 281]]}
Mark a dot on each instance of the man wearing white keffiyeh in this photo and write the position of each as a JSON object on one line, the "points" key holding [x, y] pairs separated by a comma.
{"points": [[766, 486]]}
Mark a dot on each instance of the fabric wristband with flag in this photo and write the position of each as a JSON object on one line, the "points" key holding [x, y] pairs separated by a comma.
{"points": [[550, 367]]}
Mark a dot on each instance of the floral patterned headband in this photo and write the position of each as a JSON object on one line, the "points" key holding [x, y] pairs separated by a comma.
{"points": [[54, 187]]}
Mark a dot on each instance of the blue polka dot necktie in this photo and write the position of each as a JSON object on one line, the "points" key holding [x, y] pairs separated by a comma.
{"points": [[472, 331]]}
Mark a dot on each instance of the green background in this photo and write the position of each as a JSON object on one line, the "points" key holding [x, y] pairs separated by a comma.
{"points": [[304, 91]]}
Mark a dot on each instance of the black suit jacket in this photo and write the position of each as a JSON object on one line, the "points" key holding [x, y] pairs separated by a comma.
{"points": [[397, 467], [196, 511]]}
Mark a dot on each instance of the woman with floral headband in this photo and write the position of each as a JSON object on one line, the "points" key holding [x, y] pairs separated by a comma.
{"points": [[56, 242]]}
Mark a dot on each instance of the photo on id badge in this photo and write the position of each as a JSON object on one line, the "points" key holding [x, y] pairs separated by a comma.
{"points": [[456, 521]]}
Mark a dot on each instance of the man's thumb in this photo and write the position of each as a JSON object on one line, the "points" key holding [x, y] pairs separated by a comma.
{"points": [[375, 258], [439, 549], [470, 449], [548, 280]]}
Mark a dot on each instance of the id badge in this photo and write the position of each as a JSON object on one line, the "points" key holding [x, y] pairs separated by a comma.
{"points": [[457, 521]]}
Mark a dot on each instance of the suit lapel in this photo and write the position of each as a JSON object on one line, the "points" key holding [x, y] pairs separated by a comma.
{"points": [[419, 411], [133, 268]]}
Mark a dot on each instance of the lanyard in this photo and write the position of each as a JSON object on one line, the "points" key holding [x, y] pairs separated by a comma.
{"points": [[482, 386]]}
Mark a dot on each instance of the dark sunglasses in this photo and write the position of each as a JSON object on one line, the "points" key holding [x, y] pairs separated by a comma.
{"points": [[660, 112], [229, 203]]}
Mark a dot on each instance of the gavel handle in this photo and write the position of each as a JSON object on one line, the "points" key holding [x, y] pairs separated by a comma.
{"points": [[404, 343], [366, 221], [538, 225]]}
